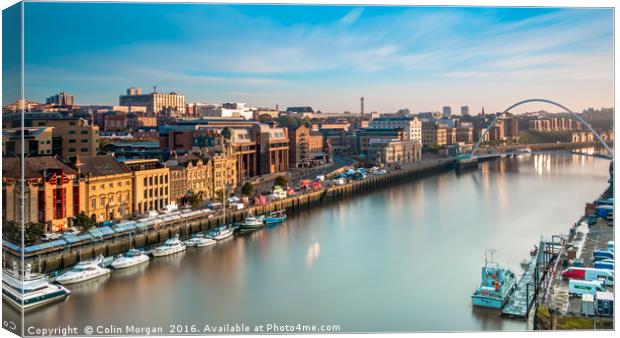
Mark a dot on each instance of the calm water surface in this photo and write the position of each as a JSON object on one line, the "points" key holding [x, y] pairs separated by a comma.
{"points": [[405, 258]]}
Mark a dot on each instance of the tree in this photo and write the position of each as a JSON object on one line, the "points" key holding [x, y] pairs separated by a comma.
{"points": [[194, 199], [288, 121], [83, 222], [247, 189], [281, 181], [10, 231], [33, 232], [265, 119]]}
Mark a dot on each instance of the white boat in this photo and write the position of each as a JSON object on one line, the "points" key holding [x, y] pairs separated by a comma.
{"points": [[220, 233], [130, 258], [171, 246], [84, 271], [30, 289], [200, 240], [252, 223]]}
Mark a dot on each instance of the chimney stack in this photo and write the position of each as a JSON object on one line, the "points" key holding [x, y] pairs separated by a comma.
{"points": [[362, 107]]}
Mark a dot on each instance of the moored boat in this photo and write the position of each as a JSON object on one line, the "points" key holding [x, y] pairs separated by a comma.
{"points": [[275, 217], [171, 246], [30, 290], [200, 240], [220, 233], [130, 258], [496, 286], [251, 223], [84, 271]]}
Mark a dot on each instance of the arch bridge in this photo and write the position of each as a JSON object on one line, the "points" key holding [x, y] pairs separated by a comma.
{"points": [[470, 157]]}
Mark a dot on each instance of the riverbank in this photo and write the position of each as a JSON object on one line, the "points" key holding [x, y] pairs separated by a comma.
{"points": [[47, 258]]}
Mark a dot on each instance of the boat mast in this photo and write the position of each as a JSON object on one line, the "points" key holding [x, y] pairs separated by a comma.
{"points": [[224, 205]]}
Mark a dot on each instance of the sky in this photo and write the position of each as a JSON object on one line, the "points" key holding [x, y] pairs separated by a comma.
{"points": [[327, 57]]}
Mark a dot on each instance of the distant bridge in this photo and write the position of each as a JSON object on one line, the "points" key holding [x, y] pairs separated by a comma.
{"points": [[470, 158]]}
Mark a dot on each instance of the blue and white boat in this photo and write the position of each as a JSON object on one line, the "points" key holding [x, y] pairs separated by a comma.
{"points": [[275, 217], [30, 290], [496, 286]]}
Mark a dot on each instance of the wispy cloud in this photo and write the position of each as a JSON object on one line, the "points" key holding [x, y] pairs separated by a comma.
{"points": [[224, 51]]}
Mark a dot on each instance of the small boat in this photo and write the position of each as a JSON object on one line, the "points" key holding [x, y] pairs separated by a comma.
{"points": [[84, 271], [33, 290], [496, 286], [220, 233], [252, 223], [200, 240], [171, 246], [275, 217], [130, 258]]}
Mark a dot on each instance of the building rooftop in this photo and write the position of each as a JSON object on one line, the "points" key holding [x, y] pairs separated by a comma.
{"points": [[100, 166], [299, 110], [34, 166]]}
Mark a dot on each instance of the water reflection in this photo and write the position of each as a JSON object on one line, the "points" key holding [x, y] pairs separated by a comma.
{"points": [[88, 287]]}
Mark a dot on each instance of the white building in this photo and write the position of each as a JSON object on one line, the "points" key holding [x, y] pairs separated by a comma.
{"points": [[410, 124], [229, 109]]}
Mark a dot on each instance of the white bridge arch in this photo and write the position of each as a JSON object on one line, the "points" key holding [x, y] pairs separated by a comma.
{"points": [[494, 119]]}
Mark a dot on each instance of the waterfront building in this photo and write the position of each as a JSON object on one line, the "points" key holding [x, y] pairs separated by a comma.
{"points": [[151, 185], [451, 135], [198, 175], [511, 127], [20, 106], [465, 133], [364, 137], [434, 134], [224, 172], [155, 103], [60, 99], [37, 141], [51, 191], [394, 151], [305, 147], [107, 189], [179, 186], [272, 148], [410, 124]]}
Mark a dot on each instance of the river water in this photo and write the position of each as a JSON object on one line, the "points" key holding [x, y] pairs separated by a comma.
{"points": [[405, 258]]}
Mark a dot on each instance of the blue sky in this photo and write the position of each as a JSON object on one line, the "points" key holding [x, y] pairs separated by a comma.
{"points": [[326, 56]]}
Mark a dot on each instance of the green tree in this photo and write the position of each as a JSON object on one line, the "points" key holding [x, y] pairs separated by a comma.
{"points": [[83, 222], [281, 181], [33, 232], [265, 119], [10, 231], [288, 121], [247, 189], [194, 199]]}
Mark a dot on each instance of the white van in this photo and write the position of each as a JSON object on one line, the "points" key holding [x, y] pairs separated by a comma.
{"points": [[583, 287]]}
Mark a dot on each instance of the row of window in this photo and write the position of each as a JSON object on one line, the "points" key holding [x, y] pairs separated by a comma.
{"points": [[158, 179], [157, 192], [152, 205], [105, 200], [111, 185]]}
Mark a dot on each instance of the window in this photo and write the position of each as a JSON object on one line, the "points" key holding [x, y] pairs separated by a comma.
{"points": [[151, 180], [71, 132], [84, 132], [71, 150], [102, 201], [145, 182], [41, 123], [72, 140], [84, 140], [93, 203], [156, 180], [145, 193], [84, 150]]}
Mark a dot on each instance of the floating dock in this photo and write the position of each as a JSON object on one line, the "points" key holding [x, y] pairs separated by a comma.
{"points": [[522, 298]]}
